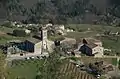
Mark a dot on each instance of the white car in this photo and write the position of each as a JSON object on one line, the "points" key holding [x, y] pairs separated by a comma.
{"points": [[28, 58], [32, 57]]}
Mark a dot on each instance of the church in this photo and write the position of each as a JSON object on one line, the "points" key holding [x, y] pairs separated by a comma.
{"points": [[39, 44]]}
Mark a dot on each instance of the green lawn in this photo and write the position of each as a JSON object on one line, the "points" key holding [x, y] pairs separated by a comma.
{"points": [[114, 61], [56, 37], [80, 34], [4, 38], [97, 28], [26, 69], [93, 60], [6, 29], [111, 44]]}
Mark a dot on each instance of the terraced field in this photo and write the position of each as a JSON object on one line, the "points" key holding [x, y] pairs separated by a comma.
{"points": [[70, 71]]}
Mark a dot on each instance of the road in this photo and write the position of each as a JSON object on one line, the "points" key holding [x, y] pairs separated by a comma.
{"points": [[17, 56]]}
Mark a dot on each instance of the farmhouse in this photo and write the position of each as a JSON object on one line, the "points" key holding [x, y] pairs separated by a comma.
{"points": [[60, 29], [92, 47]]}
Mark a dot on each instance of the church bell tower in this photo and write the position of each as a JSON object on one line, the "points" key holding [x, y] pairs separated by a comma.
{"points": [[44, 38]]}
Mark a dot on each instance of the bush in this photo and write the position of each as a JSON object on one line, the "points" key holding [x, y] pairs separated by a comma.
{"points": [[7, 24], [20, 33]]}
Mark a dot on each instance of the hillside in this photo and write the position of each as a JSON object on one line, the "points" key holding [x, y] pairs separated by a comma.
{"points": [[63, 11]]}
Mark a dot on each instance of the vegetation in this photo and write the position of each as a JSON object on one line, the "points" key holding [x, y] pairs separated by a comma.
{"points": [[119, 64], [56, 37], [24, 69], [20, 33], [2, 66], [36, 69], [65, 11], [7, 24], [70, 71], [6, 34], [114, 61], [50, 69]]}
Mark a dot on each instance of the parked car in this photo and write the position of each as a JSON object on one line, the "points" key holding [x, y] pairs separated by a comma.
{"points": [[27, 58], [32, 57]]}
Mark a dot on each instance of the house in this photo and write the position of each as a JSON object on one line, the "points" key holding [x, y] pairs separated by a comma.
{"points": [[93, 47], [27, 31], [69, 30], [13, 47], [49, 25], [60, 29]]}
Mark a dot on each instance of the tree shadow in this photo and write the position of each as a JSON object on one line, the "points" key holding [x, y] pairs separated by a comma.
{"points": [[11, 34]]}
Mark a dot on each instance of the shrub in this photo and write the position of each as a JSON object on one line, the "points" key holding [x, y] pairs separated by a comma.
{"points": [[7, 24], [20, 33]]}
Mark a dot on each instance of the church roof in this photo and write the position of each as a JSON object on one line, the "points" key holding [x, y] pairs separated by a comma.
{"points": [[34, 40], [91, 45]]}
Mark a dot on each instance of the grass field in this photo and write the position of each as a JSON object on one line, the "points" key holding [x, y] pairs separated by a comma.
{"points": [[4, 37], [111, 44], [93, 31], [93, 60], [25, 69]]}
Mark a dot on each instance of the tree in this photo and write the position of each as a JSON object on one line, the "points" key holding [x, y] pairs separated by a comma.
{"points": [[13, 7], [2, 66], [20, 33], [50, 68]]}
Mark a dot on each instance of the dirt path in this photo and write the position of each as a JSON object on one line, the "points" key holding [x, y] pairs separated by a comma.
{"points": [[2, 33]]}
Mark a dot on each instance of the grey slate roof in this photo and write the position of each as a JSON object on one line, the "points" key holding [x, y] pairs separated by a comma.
{"points": [[33, 40]]}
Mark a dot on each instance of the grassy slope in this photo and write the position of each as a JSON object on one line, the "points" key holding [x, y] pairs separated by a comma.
{"points": [[27, 69], [5, 38], [94, 29], [93, 60]]}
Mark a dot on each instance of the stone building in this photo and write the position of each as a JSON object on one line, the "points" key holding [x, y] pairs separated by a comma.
{"points": [[36, 46], [92, 48], [39, 45]]}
